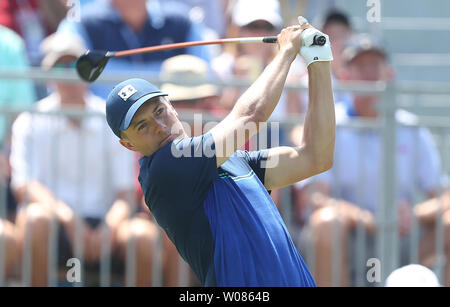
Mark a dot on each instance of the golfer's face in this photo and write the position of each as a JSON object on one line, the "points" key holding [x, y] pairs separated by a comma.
{"points": [[153, 126]]}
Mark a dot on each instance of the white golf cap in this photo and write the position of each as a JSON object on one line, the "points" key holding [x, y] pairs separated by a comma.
{"points": [[58, 45], [413, 275], [248, 11]]}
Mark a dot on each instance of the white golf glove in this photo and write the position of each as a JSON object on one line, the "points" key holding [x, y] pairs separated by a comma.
{"points": [[314, 53]]}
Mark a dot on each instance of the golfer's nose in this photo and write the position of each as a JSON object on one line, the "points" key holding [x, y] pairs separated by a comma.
{"points": [[160, 126]]}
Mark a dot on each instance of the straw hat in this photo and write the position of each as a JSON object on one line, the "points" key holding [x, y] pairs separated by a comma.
{"points": [[186, 67]]}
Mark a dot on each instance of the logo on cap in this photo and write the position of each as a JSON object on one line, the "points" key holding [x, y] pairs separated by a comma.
{"points": [[127, 92]]}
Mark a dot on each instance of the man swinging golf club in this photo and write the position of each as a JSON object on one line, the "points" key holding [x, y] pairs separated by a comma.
{"points": [[211, 198]]}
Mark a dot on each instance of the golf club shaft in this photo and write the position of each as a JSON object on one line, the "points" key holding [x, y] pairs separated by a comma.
{"points": [[91, 64], [240, 40]]}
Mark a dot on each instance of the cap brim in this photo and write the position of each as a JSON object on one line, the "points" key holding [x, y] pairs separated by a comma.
{"points": [[135, 107]]}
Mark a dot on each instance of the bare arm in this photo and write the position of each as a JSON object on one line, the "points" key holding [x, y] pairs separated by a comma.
{"points": [[258, 102], [122, 209], [34, 192], [428, 211], [315, 154], [318, 195]]}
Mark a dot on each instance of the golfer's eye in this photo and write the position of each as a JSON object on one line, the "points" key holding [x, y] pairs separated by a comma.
{"points": [[142, 126], [159, 111]]}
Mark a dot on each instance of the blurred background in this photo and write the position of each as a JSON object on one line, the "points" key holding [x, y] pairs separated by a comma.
{"points": [[71, 208]]}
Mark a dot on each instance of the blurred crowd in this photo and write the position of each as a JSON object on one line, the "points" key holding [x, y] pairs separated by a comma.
{"points": [[73, 170]]}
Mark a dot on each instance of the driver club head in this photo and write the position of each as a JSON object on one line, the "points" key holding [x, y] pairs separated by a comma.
{"points": [[91, 64]]}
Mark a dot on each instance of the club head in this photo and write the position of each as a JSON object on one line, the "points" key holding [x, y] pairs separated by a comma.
{"points": [[91, 64]]}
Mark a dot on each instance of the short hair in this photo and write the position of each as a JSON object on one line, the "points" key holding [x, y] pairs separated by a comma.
{"points": [[336, 16]]}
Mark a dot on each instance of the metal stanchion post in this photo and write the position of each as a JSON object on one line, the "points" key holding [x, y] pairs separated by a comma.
{"points": [[387, 213]]}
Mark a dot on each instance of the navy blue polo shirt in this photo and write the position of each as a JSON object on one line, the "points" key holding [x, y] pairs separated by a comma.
{"points": [[222, 221]]}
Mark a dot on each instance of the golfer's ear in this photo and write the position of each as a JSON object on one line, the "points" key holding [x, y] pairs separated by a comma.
{"points": [[125, 143]]}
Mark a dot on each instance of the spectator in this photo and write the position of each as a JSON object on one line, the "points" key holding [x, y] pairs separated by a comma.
{"points": [[246, 61], [353, 184], [337, 26], [33, 20], [57, 171], [428, 214], [13, 57], [249, 18], [14, 94], [122, 24]]}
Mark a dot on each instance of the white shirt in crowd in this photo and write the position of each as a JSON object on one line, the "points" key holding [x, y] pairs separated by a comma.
{"points": [[83, 166], [357, 169]]}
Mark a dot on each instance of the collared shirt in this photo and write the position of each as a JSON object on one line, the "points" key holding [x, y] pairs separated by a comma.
{"points": [[84, 166], [13, 93], [356, 175], [222, 220]]}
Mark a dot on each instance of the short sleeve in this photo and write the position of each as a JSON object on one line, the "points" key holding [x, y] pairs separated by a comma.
{"points": [[256, 160], [180, 173], [20, 154]]}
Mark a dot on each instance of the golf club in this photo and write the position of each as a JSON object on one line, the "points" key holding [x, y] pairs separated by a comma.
{"points": [[91, 64]]}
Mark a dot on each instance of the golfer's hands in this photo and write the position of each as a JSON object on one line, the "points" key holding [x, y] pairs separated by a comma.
{"points": [[290, 40], [309, 51]]}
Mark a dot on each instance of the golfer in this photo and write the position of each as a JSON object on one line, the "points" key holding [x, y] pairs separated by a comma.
{"points": [[211, 198]]}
